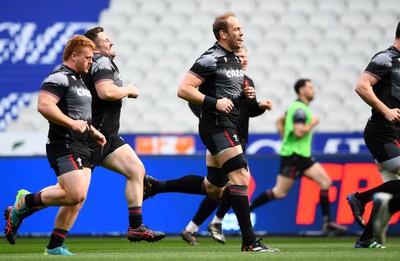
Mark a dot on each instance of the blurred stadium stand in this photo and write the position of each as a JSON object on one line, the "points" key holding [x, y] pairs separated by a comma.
{"points": [[157, 41]]}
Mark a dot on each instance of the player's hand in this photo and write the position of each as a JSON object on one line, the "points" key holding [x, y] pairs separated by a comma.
{"points": [[133, 91], [249, 92], [224, 105], [393, 115], [315, 120], [99, 138], [265, 105], [79, 126]]}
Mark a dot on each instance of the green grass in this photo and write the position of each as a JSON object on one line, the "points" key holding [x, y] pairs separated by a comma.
{"points": [[173, 248]]}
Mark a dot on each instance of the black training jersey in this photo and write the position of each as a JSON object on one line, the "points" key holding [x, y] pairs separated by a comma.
{"points": [[222, 76], [385, 66], [106, 114], [74, 101], [248, 108]]}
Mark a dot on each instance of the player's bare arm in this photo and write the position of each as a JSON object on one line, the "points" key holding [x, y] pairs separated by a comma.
{"points": [[265, 105], [47, 106], [364, 90], [97, 136], [188, 90], [108, 91], [301, 129], [280, 125]]}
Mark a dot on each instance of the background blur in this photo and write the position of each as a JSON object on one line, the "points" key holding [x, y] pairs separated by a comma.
{"points": [[157, 41]]}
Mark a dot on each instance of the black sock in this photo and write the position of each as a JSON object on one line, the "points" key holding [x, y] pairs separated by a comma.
{"points": [[135, 217], [262, 199], [57, 238], [225, 204], [391, 187], [368, 232], [34, 200], [325, 205], [394, 204], [190, 184], [240, 205], [206, 208]]}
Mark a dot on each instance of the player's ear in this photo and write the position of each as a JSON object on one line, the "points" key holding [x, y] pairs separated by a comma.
{"points": [[74, 55], [223, 34]]}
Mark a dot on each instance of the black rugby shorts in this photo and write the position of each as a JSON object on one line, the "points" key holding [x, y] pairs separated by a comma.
{"points": [[294, 166], [382, 140], [100, 153], [217, 138], [64, 160]]}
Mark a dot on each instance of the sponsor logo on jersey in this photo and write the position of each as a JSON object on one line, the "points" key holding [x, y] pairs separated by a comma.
{"points": [[234, 73], [83, 92]]}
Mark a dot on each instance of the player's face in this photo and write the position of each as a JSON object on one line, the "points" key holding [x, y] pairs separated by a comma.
{"points": [[105, 45], [243, 57], [235, 33], [84, 59], [309, 91]]}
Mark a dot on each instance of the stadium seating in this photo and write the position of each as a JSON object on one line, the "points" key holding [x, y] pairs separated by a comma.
{"points": [[329, 41]]}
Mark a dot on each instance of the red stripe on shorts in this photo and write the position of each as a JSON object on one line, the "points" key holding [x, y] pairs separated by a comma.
{"points": [[229, 138], [293, 173], [73, 161]]}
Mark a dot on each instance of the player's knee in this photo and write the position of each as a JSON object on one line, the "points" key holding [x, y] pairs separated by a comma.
{"points": [[279, 194], [77, 198], [134, 172], [237, 162], [396, 171], [326, 184], [389, 171], [214, 191], [216, 176], [389, 175]]}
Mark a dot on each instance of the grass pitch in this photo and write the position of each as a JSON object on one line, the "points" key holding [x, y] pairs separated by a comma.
{"points": [[174, 248]]}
